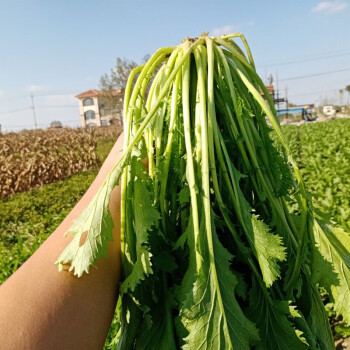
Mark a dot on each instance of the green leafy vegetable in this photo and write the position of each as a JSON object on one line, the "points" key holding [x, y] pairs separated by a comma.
{"points": [[212, 258]]}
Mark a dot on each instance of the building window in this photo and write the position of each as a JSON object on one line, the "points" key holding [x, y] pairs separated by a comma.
{"points": [[89, 115], [88, 102], [104, 122]]}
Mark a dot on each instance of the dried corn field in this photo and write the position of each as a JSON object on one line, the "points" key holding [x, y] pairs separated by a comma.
{"points": [[32, 158], [110, 132]]}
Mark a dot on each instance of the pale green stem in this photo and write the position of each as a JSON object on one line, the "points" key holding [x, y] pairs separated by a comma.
{"points": [[190, 173], [127, 150], [152, 96], [212, 129], [127, 132], [167, 152], [128, 89], [128, 118], [201, 70], [245, 43], [251, 71], [251, 150], [302, 237]]}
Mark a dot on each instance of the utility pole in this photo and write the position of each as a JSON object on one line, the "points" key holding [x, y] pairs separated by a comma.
{"points": [[278, 105], [33, 108]]}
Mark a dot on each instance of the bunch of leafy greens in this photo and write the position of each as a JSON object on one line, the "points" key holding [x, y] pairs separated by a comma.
{"points": [[211, 256]]}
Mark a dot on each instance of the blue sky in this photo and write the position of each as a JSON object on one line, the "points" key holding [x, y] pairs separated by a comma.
{"points": [[60, 48]]}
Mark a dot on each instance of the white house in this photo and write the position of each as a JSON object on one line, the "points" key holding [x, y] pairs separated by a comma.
{"points": [[91, 109]]}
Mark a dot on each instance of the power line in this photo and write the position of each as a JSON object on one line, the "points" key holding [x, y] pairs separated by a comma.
{"points": [[15, 110], [20, 126], [314, 92], [303, 60], [59, 106], [54, 94], [44, 94], [307, 57], [36, 107], [43, 124], [316, 74]]}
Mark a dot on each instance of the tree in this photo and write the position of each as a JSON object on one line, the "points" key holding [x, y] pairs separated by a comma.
{"points": [[341, 91], [56, 124], [347, 89], [113, 86]]}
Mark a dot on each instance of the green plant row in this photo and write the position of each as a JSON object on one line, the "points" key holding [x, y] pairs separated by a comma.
{"points": [[322, 151]]}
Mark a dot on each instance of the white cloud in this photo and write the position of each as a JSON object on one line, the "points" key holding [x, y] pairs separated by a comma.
{"points": [[223, 30], [330, 7], [2, 93], [232, 28]]}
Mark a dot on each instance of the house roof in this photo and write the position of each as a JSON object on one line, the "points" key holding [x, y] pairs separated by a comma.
{"points": [[89, 93], [94, 93]]}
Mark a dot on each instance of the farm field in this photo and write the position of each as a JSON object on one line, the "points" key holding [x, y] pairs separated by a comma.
{"points": [[322, 151], [27, 218], [33, 158]]}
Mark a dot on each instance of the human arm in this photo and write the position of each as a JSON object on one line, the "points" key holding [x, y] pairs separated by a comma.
{"points": [[41, 308]]}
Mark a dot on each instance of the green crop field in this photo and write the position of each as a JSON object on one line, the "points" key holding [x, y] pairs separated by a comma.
{"points": [[322, 151]]}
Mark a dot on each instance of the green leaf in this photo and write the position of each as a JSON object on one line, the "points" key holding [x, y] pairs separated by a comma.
{"points": [[271, 317], [188, 233], [184, 196], [280, 170], [145, 217], [334, 246], [96, 223], [209, 310], [314, 322], [269, 249], [242, 287], [165, 261], [131, 317], [160, 333]]}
